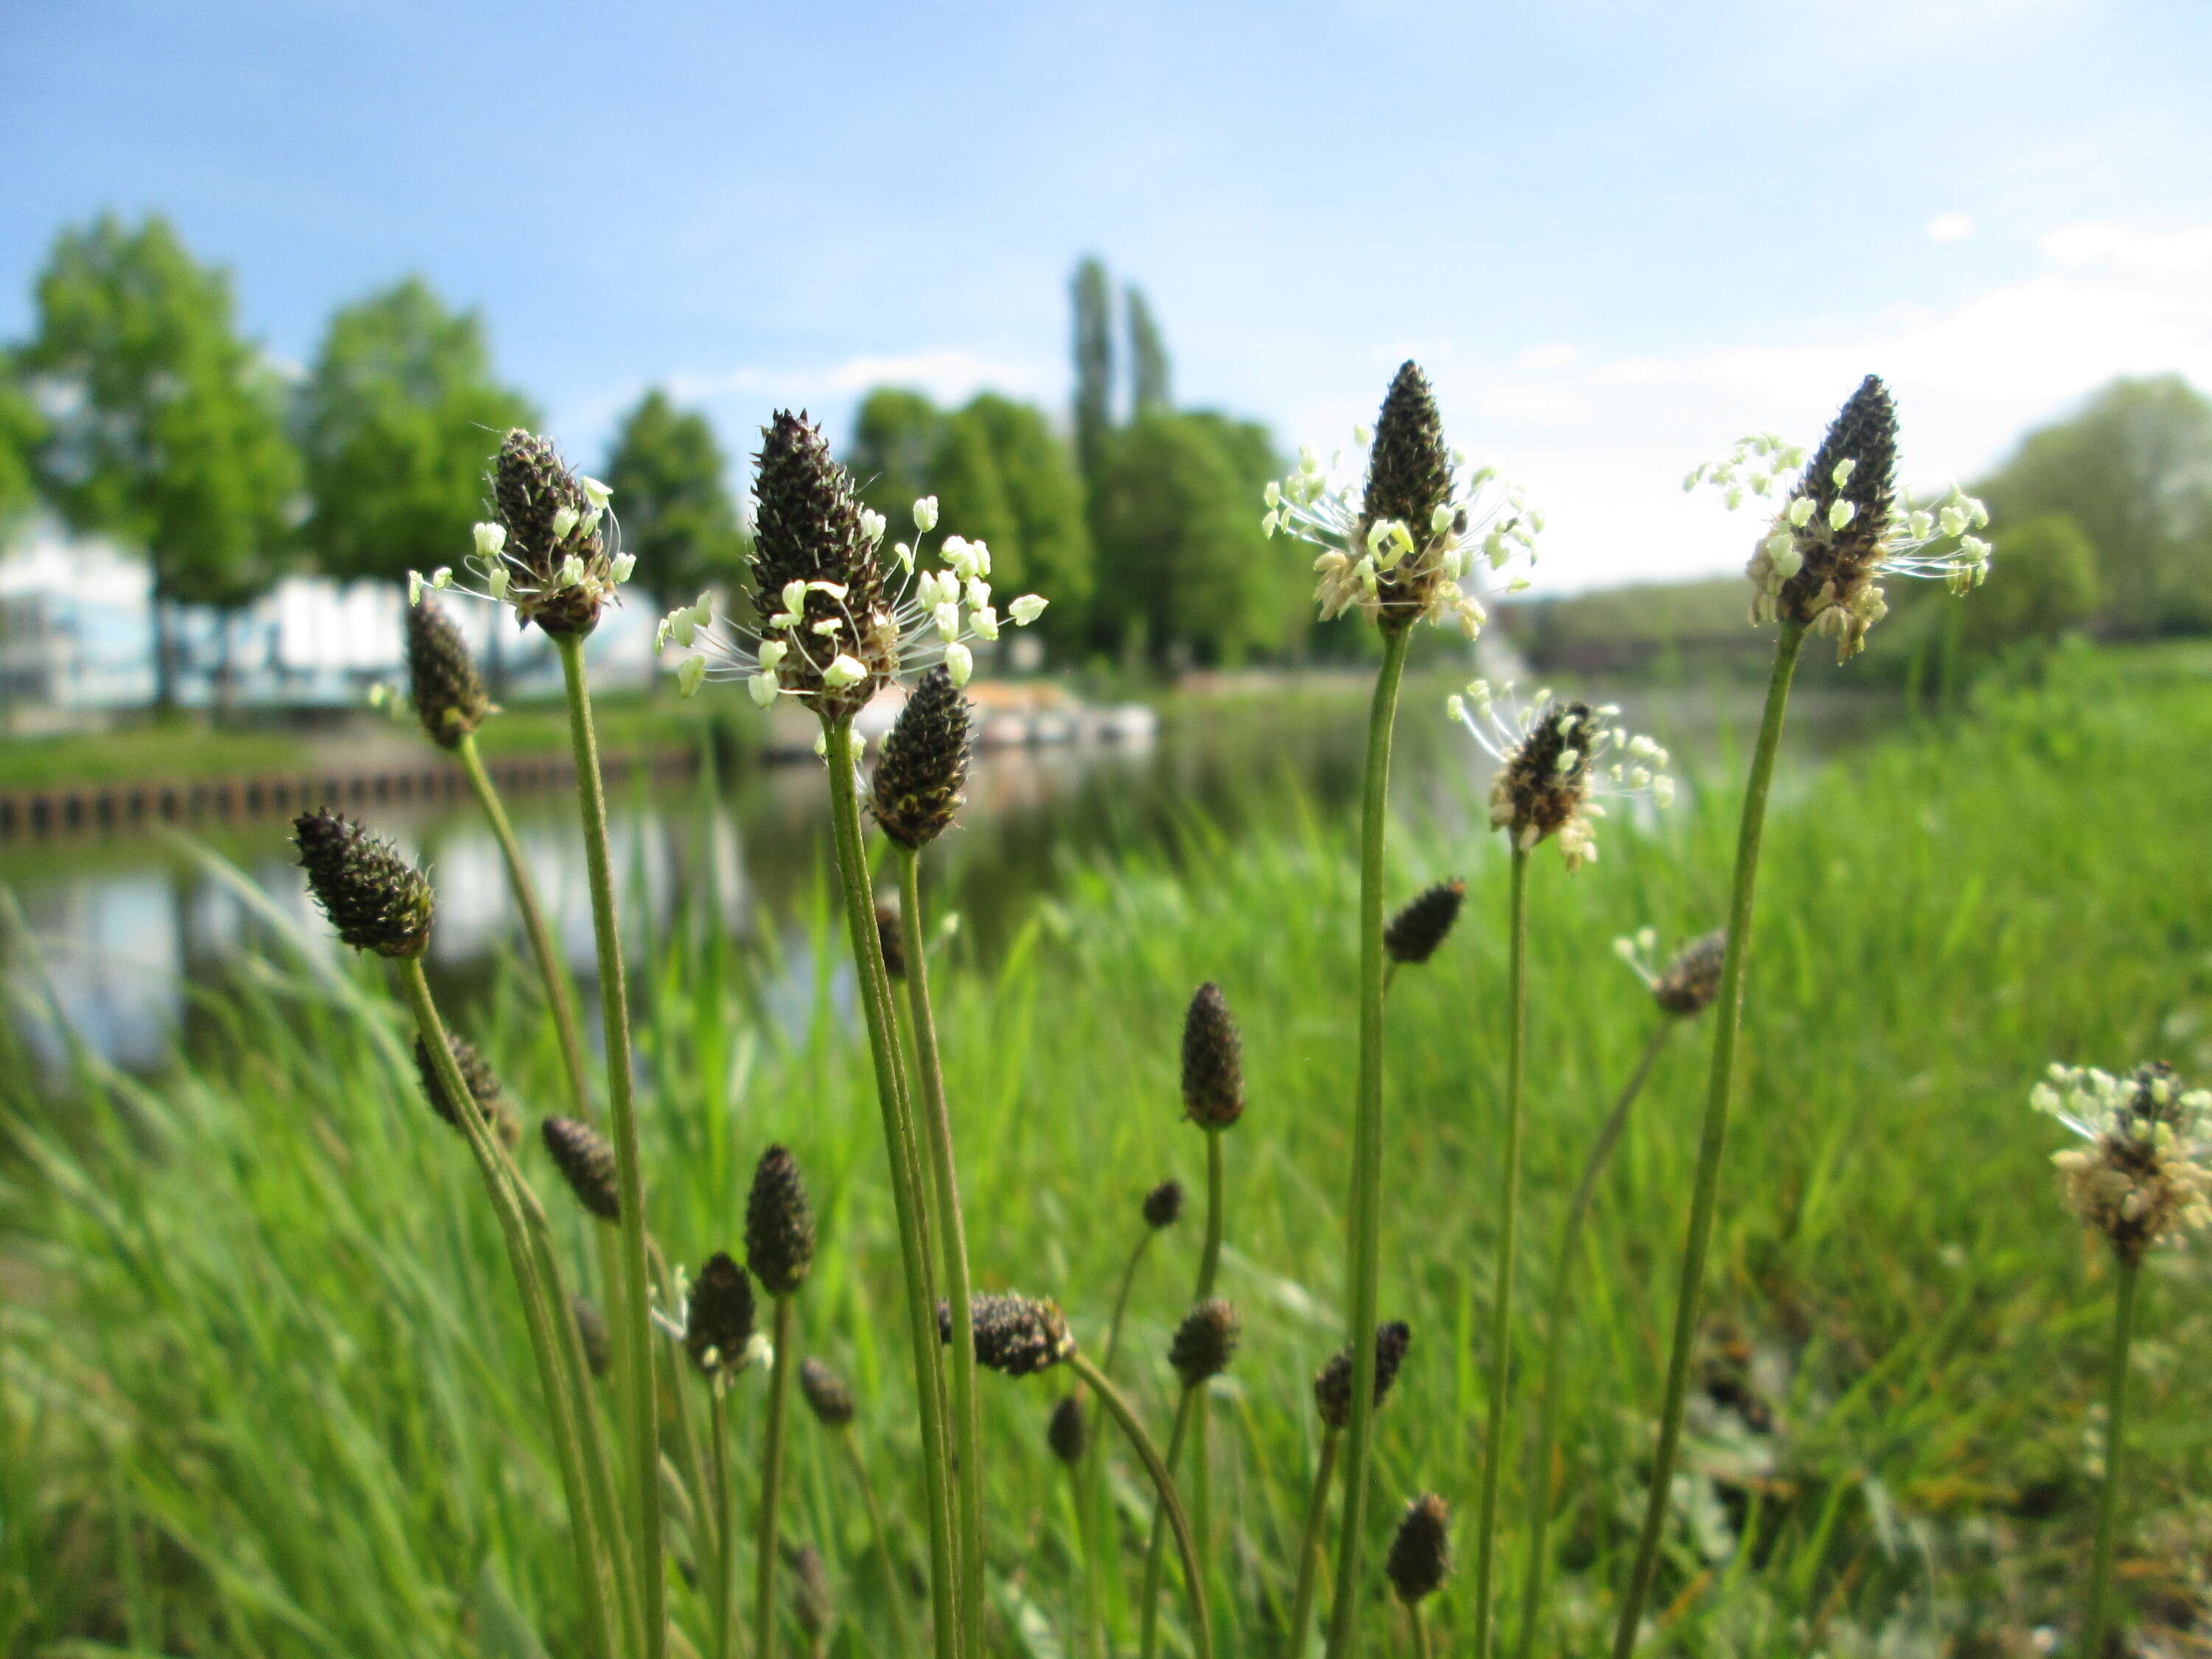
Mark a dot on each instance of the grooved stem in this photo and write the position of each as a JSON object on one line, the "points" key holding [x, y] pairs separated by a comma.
{"points": [[1164, 1483], [894, 1593], [1420, 1630], [1555, 1325], [876, 1003], [1728, 1013], [779, 1393], [951, 1240], [1094, 1466], [560, 998], [1311, 1547], [726, 1529], [1509, 1211], [641, 1395], [1365, 1221], [2115, 1424], [1149, 1604]]}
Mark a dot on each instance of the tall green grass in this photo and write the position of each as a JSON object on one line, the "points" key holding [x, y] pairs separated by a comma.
{"points": [[266, 1391]]}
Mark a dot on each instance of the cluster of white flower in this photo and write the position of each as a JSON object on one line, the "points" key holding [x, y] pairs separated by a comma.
{"points": [[2147, 1171], [934, 615], [505, 579], [1847, 556], [1640, 950], [1486, 522], [1553, 760]]}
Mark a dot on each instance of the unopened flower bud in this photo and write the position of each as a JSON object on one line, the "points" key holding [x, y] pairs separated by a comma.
{"points": [[779, 1225], [827, 1393], [375, 900], [1415, 932], [1015, 1335], [718, 1324], [1420, 1555], [1068, 1432], [1205, 1342], [1691, 980], [490, 1099], [1162, 1205], [448, 695], [586, 1162], [1332, 1383], [1212, 1062], [917, 784], [592, 1334]]}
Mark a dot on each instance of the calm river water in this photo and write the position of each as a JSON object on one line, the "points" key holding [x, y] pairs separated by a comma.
{"points": [[131, 927]]}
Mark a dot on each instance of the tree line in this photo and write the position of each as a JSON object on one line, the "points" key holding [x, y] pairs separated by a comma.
{"points": [[138, 410]]}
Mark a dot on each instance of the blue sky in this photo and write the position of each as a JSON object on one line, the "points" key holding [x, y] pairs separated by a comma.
{"points": [[1618, 234]]}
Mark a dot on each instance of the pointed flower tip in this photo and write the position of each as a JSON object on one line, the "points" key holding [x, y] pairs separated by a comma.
{"points": [[1212, 1062], [779, 1225]]}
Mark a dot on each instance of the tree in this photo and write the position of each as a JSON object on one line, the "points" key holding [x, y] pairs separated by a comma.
{"points": [[1185, 572], [397, 421], [2134, 469], [21, 429], [672, 496], [972, 493], [895, 445], [1149, 391], [2050, 588], [1051, 546], [1094, 364], [167, 431]]}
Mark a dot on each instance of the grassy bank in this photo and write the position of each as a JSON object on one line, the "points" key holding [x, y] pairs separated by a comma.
{"points": [[266, 1392]]}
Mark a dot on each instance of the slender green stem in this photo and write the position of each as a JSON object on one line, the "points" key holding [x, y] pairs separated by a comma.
{"points": [[1420, 1630], [1121, 1305], [560, 994], [582, 1533], [2115, 1427], [691, 1464], [771, 1499], [1555, 1345], [894, 1592], [1311, 1547], [1365, 1223], [876, 1003], [1201, 1427], [1209, 1257], [1712, 1141], [725, 1530], [1093, 1638], [1508, 1226], [1149, 1601], [1094, 1465], [951, 1241], [1164, 1483], [641, 1395]]}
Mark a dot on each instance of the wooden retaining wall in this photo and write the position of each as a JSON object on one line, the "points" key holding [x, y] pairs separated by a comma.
{"points": [[93, 809]]}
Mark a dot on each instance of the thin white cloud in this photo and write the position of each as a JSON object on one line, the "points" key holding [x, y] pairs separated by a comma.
{"points": [[1950, 227]]}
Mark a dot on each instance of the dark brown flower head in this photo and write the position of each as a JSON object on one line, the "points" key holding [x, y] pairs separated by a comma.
{"points": [[891, 941], [1409, 476], [718, 1322], [1420, 1555], [1821, 563], [1205, 1342], [1163, 1204], [1212, 1062], [1689, 983], [813, 1602], [1333, 1382], [560, 574], [779, 1225], [2143, 1173], [1068, 1432], [483, 1088], [592, 1333], [828, 1394], [817, 586], [1016, 1334], [925, 762], [1541, 790], [373, 896], [441, 675], [1415, 932], [586, 1162]]}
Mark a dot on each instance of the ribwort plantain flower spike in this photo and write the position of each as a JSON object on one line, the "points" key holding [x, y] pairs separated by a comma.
{"points": [[1685, 985], [1554, 763], [2146, 1173], [718, 1319], [1400, 547], [1417, 932], [1205, 1342], [592, 1333], [1016, 1334], [586, 1162], [489, 1098], [779, 1225], [890, 941], [1069, 1431], [833, 623], [1839, 529], [1164, 1204], [828, 1395], [550, 554], [443, 684], [373, 896], [1420, 1555], [1332, 1385], [924, 767], [1212, 1062]]}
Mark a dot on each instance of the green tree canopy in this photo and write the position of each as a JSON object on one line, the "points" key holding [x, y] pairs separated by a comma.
{"points": [[2134, 470], [672, 497], [166, 429], [1094, 364], [20, 430], [1151, 388], [2050, 586], [895, 445], [398, 420], [1185, 572], [1050, 545]]}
